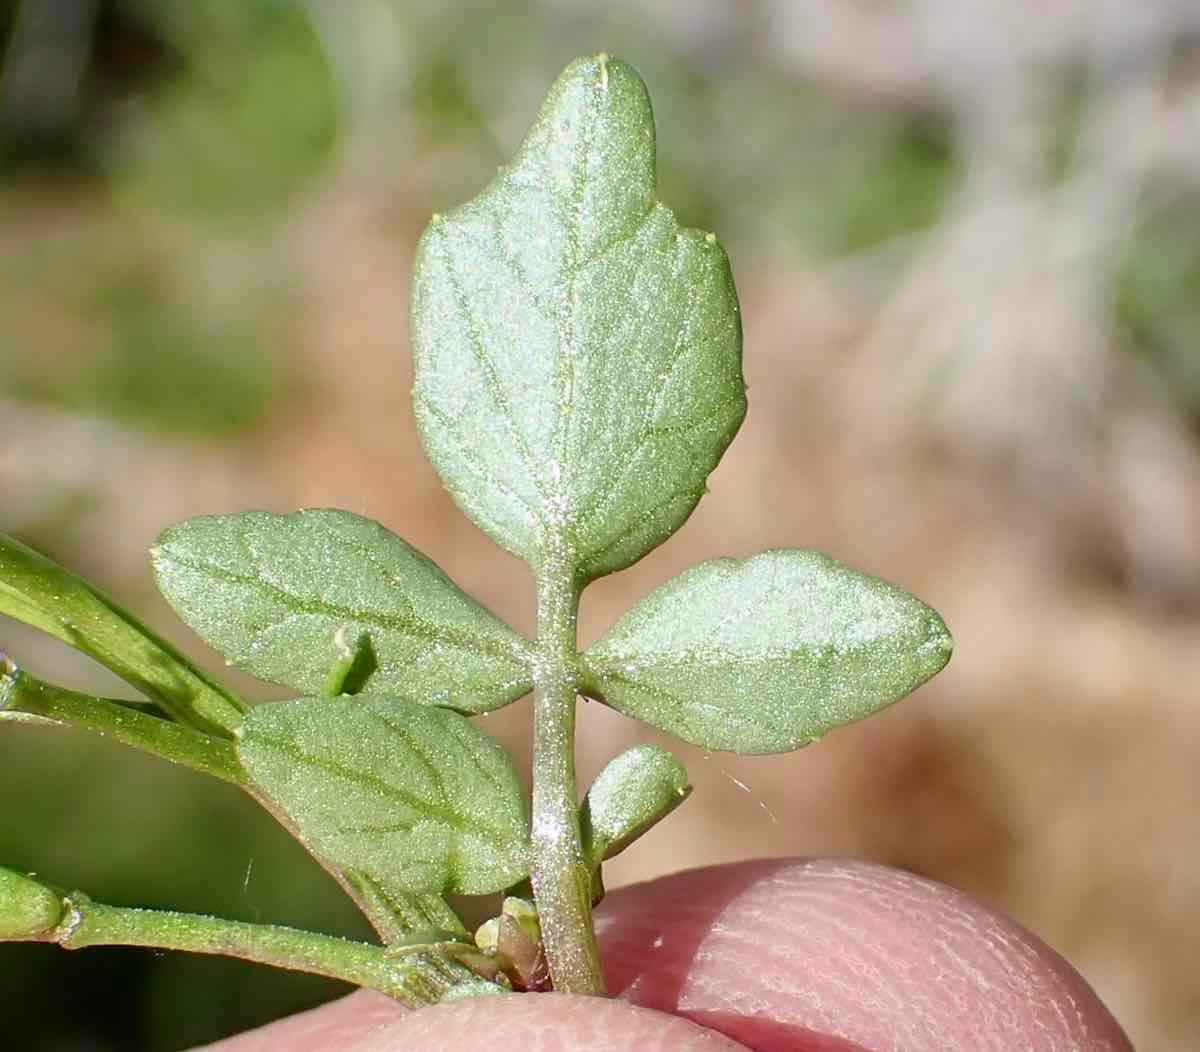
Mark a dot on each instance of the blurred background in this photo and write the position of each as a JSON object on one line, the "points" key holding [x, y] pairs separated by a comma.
{"points": [[967, 241]]}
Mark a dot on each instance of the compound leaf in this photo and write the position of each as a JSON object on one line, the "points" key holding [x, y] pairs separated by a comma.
{"points": [[411, 798], [577, 351], [39, 592], [294, 598], [766, 654]]}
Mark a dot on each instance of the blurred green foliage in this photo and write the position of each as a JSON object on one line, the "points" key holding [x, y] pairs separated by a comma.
{"points": [[245, 122], [237, 114], [1157, 298], [114, 333]]}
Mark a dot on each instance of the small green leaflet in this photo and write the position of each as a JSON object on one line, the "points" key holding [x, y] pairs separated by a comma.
{"points": [[43, 594], [577, 351], [408, 797], [766, 654], [294, 598], [638, 788]]}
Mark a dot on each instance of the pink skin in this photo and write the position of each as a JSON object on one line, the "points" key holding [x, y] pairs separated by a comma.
{"points": [[808, 956]]}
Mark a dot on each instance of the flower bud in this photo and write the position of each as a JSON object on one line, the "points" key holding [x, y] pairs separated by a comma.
{"points": [[28, 909]]}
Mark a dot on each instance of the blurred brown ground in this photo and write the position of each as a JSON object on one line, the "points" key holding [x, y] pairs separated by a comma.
{"points": [[1052, 769]]}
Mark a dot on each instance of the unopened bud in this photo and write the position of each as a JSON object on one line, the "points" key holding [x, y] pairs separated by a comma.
{"points": [[28, 909]]}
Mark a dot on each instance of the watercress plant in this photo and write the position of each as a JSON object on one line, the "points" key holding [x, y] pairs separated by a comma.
{"points": [[578, 376]]}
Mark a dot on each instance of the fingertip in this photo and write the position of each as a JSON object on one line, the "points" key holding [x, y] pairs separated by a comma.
{"points": [[542, 1023], [777, 953], [330, 1027]]}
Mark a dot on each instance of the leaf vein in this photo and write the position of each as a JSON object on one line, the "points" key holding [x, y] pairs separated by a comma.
{"points": [[406, 625], [446, 814]]}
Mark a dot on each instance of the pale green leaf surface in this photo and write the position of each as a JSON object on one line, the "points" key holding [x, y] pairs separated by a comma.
{"points": [[412, 798], [766, 654], [39, 592], [578, 352], [284, 596], [637, 789]]}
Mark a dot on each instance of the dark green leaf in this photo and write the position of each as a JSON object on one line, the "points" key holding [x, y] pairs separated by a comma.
{"points": [[41, 593], [578, 353], [413, 798], [766, 654], [633, 793], [325, 600]]}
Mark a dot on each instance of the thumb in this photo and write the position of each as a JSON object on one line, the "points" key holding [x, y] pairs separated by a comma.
{"points": [[543, 1023], [369, 1022]]}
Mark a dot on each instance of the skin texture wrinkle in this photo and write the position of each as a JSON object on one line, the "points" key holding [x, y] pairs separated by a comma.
{"points": [[808, 956]]}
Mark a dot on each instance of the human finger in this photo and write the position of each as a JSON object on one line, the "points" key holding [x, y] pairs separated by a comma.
{"points": [[784, 954]]}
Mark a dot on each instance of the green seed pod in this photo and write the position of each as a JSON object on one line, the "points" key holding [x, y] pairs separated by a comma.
{"points": [[28, 910]]}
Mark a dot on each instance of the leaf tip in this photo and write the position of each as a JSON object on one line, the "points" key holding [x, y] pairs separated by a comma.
{"points": [[605, 74]]}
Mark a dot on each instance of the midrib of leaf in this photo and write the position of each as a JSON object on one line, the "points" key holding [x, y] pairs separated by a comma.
{"points": [[604, 334], [436, 634], [411, 625], [650, 407], [663, 694], [566, 308], [565, 329], [564, 315], [448, 815]]}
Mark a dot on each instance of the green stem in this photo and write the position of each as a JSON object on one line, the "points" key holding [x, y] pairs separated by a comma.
{"points": [[48, 597], [417, 982], [23, 693], [560, 875]]}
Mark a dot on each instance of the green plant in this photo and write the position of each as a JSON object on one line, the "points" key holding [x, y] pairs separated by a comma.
{"points": [[578, 376]]}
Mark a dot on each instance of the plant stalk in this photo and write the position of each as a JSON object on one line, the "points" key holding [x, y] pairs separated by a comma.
{"points": [[415, 981], [177, 742], [559, 873]]}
